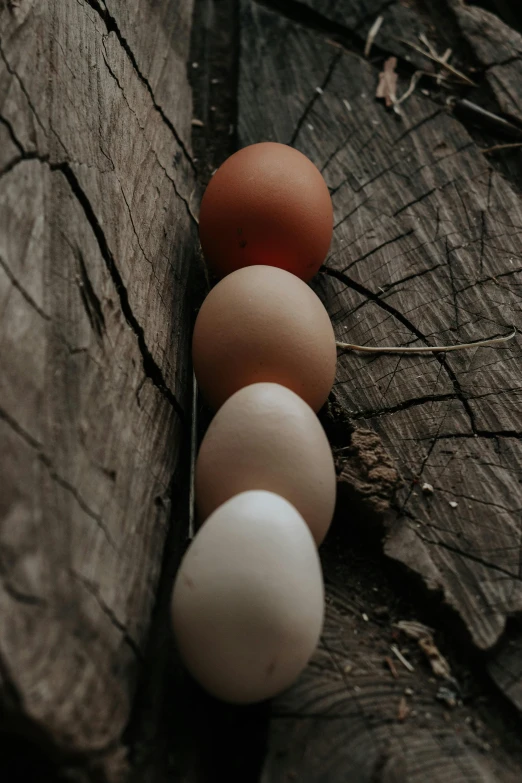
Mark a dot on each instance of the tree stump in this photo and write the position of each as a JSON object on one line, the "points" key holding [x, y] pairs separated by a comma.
{"points": [[97, 247], [418, 673]]}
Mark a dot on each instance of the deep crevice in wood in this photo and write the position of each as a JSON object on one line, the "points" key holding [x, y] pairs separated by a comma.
{"points": [[151, 368], [112, 27]]}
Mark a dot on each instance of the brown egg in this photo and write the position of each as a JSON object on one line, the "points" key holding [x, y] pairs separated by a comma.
{"points": [[267, 204], [266, 437], [263, 324]]}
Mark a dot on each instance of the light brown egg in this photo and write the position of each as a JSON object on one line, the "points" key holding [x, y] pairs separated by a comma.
{"points": [[264, 324], [266, 437], [267, 204], [248, 601]]}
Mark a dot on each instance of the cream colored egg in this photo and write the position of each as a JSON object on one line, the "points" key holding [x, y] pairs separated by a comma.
{"points": [[266, 437], [263, 324], [248, 600]]}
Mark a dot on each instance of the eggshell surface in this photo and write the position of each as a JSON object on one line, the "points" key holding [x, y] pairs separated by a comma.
{"points": [[266, 437], [247, 605], [263, 324], [267, 204]]}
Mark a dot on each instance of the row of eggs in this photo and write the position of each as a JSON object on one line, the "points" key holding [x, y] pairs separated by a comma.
{"points": [[248, 599]]}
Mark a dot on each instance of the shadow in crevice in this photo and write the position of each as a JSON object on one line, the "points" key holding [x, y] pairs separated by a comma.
{"points": [[21, 759]]}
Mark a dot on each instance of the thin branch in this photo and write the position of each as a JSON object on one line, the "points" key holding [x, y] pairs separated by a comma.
{"points": [[427, 348], [501, 147], [407, 665], [486, 119], [439, 61], [413, 84], [374, 29]]}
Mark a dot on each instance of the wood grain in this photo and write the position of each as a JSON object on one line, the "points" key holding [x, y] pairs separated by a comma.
{"points": [[97, 243], [425, 251]]}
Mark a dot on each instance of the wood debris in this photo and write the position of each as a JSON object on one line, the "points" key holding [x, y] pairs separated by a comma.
{"points": [[447, 696], [501, 147], [424, 638], [411, 89], [413, 629], [484, 118], [407, 665], [442, 63], [387, 87], [439, 665], [391, 666], [372, 33], [403, 710]]}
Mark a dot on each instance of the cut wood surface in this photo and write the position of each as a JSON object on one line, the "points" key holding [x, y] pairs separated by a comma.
{"points": [[426, 251], [99, 264], [97, 240]]}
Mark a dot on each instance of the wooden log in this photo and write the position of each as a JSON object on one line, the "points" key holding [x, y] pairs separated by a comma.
{"points": [[97, 241], [425, 252]]}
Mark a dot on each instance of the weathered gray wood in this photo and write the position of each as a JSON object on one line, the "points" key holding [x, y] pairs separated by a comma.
{"points": [[97, 240], [498, 49], [355, 716], [425, 251]]}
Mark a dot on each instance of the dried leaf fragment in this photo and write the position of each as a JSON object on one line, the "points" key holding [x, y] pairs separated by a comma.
{"points": [[403, 710], [438, 662], [414, 630], [424, 637], [387, 87]]}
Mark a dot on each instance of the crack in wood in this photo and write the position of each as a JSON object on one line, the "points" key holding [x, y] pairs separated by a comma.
{"points": [[468, 556], [112, 27], [90, 300], [91, 588], [403, 406], [370, 295], [55, 476], [21, 290], [317, 94], [151, 368]]}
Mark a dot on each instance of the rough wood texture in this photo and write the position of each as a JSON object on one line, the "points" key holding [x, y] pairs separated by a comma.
{"points": [[498, 50], [357, 714], [425, 251], [97, 239]]}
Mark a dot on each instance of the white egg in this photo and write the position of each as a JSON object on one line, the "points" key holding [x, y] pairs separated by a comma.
{"points": [[248, 600]]}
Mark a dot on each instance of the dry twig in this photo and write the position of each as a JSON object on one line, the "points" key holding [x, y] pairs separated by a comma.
{"points": [[440, 61], [425, 348], [501, 147], [391, 666], [407, 665], [372, 32]]}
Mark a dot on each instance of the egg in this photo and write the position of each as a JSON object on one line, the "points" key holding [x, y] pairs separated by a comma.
{"points": [[266, 437], [267, 204], [263, 324], [247, 605]]}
